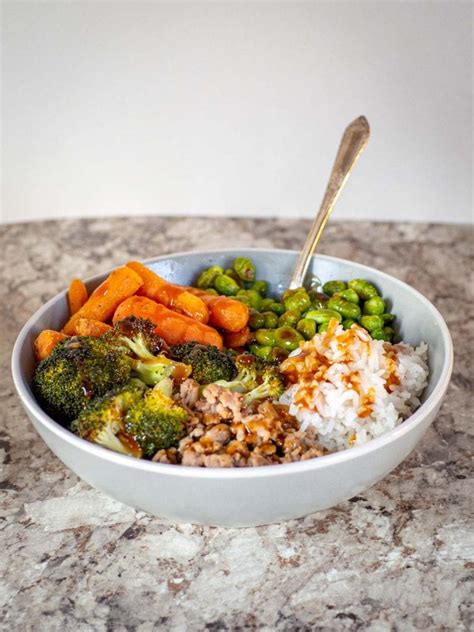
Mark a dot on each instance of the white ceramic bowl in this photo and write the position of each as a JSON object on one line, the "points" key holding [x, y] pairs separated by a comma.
{"points": [[247, 496]]}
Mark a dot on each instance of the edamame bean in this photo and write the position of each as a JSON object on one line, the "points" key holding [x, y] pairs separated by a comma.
{"points": [[378, 334], [348, 322], [348, 295], [345, 308], [256, 320], [211, 290], [323, 327], [363, 288], [289, 318], [261, 352], [371, 323], [207, 277], [307, 328], [387, 318], [331, 287], [245, 269], [299, 301], [253, 297], [276, 307], [389, 332], [266, 302], [287, 338], [265, 337], [261, 287], [233, 275], [225, 285], [321, 316], [374, 306], [278, 354], [271, 320], [318, 299]]}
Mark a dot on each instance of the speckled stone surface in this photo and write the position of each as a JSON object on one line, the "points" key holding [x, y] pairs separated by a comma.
{"points": [[399, 557]]}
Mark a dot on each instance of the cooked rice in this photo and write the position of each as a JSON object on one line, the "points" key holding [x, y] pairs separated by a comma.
{"points": [[352, 388]]}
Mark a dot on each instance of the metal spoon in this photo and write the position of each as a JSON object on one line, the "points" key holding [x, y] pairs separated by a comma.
{"points": [[352, 144]]}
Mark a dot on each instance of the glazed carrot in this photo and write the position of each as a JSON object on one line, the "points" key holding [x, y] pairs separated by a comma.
{"points": [[102, 303], [224, 312], [89, 327], [76, 296], [170, 325], [46, 341], [235, 339], [169, 295]]}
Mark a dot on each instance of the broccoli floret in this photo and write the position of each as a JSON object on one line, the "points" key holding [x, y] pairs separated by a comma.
{"points": [[248, 368], [78, 369], [156, 422], [102, 421], [271, 386], [137, 338], [208, 363]]}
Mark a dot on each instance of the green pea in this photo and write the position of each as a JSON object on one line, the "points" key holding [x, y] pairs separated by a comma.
{"points": [[387, 318], [371, 323], [363, 288], [299, 301], [276, 307], [348, 322], [375, 305], [345, 308], [289, 318], [245, 269], [233, 275], [348, 295], [318, 299], [211, 290], [261, 287], [261, 352], [266, 302], [321, 316], [265, 337], [271, 320], [306, 327], [323, 327], [225, 285], [287, 338], [256, 320], [331, 287], [207, 277]]}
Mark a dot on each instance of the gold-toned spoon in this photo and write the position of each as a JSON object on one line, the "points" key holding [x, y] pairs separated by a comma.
{"points": [[352, 144]]}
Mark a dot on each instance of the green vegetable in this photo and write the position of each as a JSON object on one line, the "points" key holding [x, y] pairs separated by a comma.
{"points": [[271, 320], [307, 328], [266, 302], [321, 316], [207, 277], [156, 422], [278, 354], [271, 385], [363, 288], [102, 420], [299, 301], [318, 299], [256, 319], [248, 368], [290, 318], [245, 269], [374, 306], [261, 287], [224, 284], [79, 369], [233, 275], [253, 298], [265, 353], [371, 323], [287, 338], [323, 327], [348, 295], [276, 307], [389, 333], [211, 290], [208, 363], [331, 287], [345, 308], [378, 334], [265, 337], [348, 322], [387, 318]]}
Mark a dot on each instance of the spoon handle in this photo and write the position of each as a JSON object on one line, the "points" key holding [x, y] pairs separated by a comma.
{"points": [[353, 142]]}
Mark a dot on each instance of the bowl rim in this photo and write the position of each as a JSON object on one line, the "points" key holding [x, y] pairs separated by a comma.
{"points": [[33, 408]]}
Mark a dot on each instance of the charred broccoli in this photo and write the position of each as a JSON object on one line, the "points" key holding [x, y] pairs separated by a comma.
{"points": [[271, 386], [102, 421], [136, 337], [248, 369], [208, 363], [78, 369], [156, 422]]}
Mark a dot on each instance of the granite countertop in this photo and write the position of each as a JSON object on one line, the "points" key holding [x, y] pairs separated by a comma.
{"points": [[395, 558]]}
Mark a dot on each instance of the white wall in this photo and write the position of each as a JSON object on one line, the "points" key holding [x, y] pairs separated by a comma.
{"points": [[234, 108]]}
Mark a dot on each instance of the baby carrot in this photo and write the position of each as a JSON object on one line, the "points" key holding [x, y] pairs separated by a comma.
{"points": [[76, 296], [90, 327], [225, 313], [46, 341]]}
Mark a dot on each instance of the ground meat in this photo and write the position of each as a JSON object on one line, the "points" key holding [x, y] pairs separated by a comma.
{"points": [[222, 432]]}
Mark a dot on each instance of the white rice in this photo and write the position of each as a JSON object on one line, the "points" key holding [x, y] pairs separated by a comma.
{"points": [[396, 374]]}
